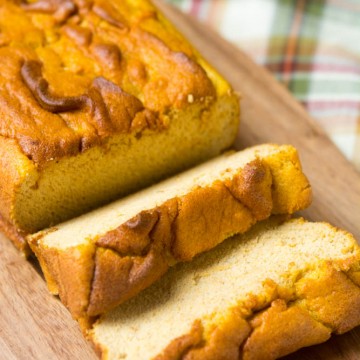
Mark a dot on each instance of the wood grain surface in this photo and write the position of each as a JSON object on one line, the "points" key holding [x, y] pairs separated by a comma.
{"points": [[34, 325]]}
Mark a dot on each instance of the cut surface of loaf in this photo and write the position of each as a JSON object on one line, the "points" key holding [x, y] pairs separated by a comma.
{"points": [[103, 258], [261, 295], [98, 99]]}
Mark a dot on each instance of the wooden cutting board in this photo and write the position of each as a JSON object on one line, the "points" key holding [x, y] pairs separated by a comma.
{"points": [[34, 325]]}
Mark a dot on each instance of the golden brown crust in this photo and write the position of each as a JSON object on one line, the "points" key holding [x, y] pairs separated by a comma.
{"points": [[328, 299], [18, 237], [181, 345], [279, 321], [131, 257], [223, 342], [117, 279], [69, 274], [251, 188], [123, 66], [288, 178], [217, 212], [138, 252], [13, 165], [281, 330]]}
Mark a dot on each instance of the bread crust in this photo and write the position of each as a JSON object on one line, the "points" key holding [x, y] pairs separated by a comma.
{"points": [[18, 238], [321, 301], [115, 64], [134, 255], [13, 165]]}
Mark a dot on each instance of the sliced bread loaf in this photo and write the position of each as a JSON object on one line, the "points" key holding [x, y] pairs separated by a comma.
{"points": [[103, 258], [258, 296]]}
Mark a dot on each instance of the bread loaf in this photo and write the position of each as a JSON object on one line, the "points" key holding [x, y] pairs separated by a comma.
{"points": [[98, 99], [103, 258], [259, 296]]}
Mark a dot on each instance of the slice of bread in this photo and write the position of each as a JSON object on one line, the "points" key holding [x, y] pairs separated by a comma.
{"points": [[103, 258], [258, 296], [98, 99]]}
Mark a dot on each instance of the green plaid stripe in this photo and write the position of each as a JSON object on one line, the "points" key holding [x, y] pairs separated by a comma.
{"points": [[281, 55]]}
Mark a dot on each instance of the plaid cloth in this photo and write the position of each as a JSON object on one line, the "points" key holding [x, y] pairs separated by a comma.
{"points": [[313, 47]]}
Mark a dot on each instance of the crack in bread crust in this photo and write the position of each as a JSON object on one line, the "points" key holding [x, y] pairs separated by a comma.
{"points": [[60, 9]]}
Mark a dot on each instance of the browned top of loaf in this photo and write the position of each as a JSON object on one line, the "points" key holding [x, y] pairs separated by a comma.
{"points": [[74, 72]]}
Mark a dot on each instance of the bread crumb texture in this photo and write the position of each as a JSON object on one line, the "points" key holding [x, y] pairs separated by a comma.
{"points": [[97, 99], [101, 259], [262, 295]]}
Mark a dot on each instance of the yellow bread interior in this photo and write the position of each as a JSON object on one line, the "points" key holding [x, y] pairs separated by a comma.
{"points": [[89, 226], [73, 185], [217, 281]]}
